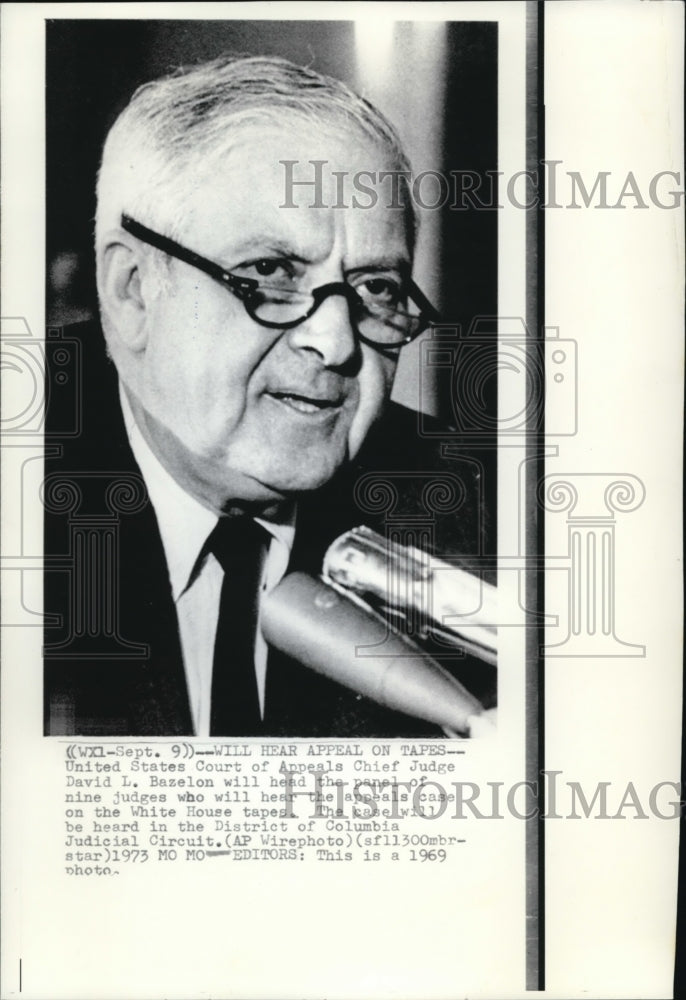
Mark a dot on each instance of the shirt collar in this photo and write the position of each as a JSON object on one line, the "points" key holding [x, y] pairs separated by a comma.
{"points": [[183, 521]]}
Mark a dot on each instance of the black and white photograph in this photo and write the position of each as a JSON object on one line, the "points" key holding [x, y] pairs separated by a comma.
{"points": [[342, 459], [235, 446]]}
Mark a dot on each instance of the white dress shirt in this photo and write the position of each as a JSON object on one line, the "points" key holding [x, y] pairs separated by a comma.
{"points": [[184, 525]]}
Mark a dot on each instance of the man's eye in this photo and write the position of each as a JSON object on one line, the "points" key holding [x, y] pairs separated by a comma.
{"points": [[382, 291], [269, 269]]}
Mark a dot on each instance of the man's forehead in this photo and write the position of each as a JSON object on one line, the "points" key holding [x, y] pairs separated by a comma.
{"points": [[291, 194], [302, 139]]}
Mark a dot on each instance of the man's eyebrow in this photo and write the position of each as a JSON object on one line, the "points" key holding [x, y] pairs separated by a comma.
{"points": [[271, 245], [400, 264], [261, 245]]}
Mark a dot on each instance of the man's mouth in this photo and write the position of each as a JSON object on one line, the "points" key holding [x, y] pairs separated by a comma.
{"points": [[308, 404]]}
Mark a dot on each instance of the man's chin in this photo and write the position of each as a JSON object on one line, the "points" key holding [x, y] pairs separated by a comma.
{"points": [[266, 489], [297, 481]]}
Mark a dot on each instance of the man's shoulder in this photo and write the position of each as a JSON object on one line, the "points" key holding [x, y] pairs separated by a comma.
{"points": [[412, 478], [415, 469]]}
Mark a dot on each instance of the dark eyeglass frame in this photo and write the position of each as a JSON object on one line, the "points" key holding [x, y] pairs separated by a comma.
{"points": [[246, 289]]}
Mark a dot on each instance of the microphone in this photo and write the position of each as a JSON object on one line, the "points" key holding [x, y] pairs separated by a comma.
{"points": [[349, 643], [406, 582]]}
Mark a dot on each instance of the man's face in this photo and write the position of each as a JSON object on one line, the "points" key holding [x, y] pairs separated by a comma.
{"points": [[239, 412]]}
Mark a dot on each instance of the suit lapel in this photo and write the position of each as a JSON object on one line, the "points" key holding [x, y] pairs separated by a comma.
{"points": [[144, 691]]}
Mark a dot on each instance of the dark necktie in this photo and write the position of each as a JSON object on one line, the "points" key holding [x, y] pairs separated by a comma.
{"points": [[238, 544]]}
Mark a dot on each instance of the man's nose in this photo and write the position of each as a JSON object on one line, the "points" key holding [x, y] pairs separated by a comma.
{"points": [[328, 332]]}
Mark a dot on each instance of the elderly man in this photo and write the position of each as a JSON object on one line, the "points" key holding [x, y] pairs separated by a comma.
{"points": [[254, 327]]}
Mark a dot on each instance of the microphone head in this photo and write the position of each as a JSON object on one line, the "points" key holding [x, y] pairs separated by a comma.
{"points": [[451, 603], [323, 629]]}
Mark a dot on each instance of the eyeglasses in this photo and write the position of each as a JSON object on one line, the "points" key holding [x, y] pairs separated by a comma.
{"points": [[383, 313]]}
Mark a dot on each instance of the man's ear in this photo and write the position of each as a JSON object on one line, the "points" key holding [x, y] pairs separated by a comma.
{"points": [[121, 288]]}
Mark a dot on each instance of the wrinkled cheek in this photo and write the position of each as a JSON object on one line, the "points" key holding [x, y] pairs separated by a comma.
{"points": [[182, 406]]}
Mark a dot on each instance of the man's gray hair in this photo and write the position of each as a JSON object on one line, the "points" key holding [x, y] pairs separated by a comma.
{"points": [[173, 126]]}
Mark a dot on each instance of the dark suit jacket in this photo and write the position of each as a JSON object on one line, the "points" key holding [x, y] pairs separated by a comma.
{"points": [[113, 662]]}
